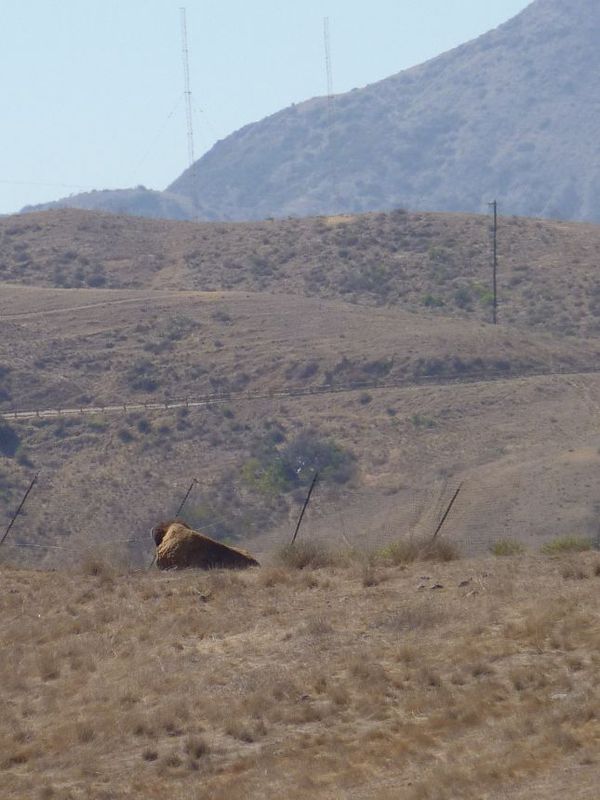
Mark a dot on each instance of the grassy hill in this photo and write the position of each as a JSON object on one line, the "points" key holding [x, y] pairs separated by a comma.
{"points": [[351, 680], [365, 673], [158, 312], [429, 263]]}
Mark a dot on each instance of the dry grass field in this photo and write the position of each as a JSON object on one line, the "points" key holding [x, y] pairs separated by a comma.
{"points": [[67, 347], [361, 679], [364, 674]]}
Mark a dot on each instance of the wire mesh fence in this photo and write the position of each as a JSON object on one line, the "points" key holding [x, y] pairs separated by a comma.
{"points": [[468, 513], [47, 534]]}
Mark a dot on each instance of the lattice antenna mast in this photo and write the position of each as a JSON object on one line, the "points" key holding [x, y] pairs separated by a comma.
{"points": [[329, 71], [187, 87], [330, 105]]}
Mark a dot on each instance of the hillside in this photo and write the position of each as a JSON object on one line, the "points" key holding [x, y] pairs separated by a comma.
{"points": [[435, 264], [139, 201], [349, 680], [512, 115], [407, 399]]}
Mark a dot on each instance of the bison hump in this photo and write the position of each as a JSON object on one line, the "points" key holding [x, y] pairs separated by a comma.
{"points": [[183, 548]]}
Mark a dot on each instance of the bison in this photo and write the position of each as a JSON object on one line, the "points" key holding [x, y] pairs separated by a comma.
{"points": [[180, 547]]}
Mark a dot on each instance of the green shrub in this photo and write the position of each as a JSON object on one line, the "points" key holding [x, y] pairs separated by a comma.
{"points": [[567, 544], [507, 547], [272, 471]]}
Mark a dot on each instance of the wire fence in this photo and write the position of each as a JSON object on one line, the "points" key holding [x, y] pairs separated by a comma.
{"points": [[127, 406], [472, 514], [48, 534]]}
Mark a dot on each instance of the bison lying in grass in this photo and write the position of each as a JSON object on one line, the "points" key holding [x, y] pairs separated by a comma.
{"points": [[180, 547]]}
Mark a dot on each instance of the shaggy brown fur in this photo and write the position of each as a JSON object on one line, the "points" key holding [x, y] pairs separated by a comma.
{"points": [[180, 547]]}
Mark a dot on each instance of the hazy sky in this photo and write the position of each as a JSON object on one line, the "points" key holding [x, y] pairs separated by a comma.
{"points": [[92, 90]]}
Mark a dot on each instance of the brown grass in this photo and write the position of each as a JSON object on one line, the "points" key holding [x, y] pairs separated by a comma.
{"points": [[306, 554], [276, 687], [405, 551]]}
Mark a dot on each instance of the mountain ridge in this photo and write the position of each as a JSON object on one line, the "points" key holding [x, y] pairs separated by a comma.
{"points": [[512, 114]]}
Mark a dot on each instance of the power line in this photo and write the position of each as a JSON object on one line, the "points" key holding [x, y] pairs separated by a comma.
{"points": [[156, 138]]}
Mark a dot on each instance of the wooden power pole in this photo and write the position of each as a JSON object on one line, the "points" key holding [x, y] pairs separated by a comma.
{"points": [[494, 207]]}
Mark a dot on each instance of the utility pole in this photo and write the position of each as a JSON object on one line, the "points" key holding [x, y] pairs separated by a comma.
{"points": [[494, 207], [187, 87]]}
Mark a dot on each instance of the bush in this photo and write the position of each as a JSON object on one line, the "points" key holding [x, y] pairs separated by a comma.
{"points": [[273, 471], [432, 301], [567, 544], [463, 299], [9, 440], [144, 425], [309, 453], [301, 555], [141, 376], [421, 421], [507, 547], [405, 551]]}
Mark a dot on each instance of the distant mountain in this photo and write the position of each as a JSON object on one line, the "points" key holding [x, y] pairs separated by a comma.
{"points": [[514, 114], [139, 201]]}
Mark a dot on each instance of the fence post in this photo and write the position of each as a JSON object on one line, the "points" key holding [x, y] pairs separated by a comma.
{"points": [[305, 506], [448, 510], [18, 511], [185, 499]]}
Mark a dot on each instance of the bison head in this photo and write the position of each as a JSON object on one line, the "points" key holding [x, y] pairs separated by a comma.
{"points": [[159, 531]]}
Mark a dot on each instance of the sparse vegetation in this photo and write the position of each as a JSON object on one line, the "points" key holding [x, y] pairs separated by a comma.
{"points": [[9, 440], [567, 544], [142, 376], [409, 549], [294, 664], [507, 547], [303, 555]]}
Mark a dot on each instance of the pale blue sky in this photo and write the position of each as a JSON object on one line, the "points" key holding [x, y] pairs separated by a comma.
{"points": [[92, 90]]}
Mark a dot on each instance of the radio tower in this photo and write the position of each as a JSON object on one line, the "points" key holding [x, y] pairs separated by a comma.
{"points": [[330, 108], [187, 90], [327, 39]]}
